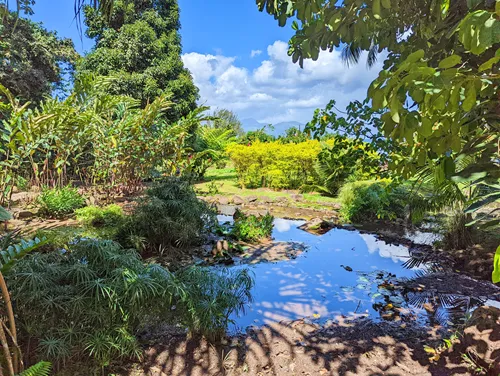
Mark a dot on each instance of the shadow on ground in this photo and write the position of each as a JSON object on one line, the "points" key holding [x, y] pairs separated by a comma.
{"points": [[347, 347]]}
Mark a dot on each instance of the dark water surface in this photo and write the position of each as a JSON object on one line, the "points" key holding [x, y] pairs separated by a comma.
{"points": [[316, 285]]}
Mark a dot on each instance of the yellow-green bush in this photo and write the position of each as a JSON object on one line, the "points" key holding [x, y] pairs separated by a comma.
{"points": [[275, 165]]}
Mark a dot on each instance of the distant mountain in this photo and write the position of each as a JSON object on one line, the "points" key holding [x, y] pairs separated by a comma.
{"points": [[279, 128]]}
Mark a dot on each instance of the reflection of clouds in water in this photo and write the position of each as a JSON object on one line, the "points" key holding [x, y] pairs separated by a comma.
{"points": [[394, 252], [282, 225]]}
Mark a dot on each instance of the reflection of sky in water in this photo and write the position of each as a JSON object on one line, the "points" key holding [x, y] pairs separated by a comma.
{"points": [[315, 282]]}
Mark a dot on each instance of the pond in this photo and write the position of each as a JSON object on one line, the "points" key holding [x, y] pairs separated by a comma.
{"points": [[343, 273]]}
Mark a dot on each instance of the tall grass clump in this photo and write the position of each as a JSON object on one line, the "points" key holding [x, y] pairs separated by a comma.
{"points": [[213, 297], [169, 216], [457, 235], [60, 202], [372, 199]]}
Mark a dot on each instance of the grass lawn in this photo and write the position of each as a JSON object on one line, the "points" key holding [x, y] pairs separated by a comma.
{"points": [[226, 181]]}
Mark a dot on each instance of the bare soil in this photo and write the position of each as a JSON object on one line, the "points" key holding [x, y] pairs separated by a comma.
{"points": [[346, 347]]}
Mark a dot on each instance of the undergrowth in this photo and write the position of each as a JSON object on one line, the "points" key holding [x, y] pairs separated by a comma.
{"points": [[60, 202]]}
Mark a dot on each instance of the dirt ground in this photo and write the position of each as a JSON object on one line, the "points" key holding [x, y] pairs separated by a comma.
{"points": [[346, 347]]}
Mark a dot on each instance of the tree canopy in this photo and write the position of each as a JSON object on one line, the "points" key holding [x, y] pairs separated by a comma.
{"points": [[438, 94], [139, 44], [33, 60]]}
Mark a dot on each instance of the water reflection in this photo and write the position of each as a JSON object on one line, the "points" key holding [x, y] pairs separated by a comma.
{"points": [[343, 273]]}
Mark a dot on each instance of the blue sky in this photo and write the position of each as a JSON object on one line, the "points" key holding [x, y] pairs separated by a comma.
{"points": [[238, 58]]}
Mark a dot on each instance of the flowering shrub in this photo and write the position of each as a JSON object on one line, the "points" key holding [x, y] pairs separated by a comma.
{"points": [[275, 165]]}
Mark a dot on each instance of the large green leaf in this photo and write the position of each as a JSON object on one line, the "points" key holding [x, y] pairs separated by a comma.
{"points": [[39, 369], [4, 215], [496, 267], [9, 254]]}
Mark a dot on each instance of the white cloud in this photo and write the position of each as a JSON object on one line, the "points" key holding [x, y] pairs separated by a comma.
{"points": [[278, 90], [255, 53]]}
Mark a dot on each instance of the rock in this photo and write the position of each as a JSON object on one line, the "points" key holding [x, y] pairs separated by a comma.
{"points": [[226, 209], [251, 199], [317, 226], [281, 200], [266, 200], [219, 246], [223, 200], [297, 197], [482, 337], [238, 200]]}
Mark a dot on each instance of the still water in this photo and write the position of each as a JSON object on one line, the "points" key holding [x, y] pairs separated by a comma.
{"points": [[318, 284]]}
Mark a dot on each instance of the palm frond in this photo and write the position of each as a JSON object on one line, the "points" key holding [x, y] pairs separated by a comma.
{"points": [[39, 369]]}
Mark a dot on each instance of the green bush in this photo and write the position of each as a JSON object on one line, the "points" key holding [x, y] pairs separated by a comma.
{"points": [[59, 202], [250, 228], [369, 199], [169, 216], [88, 301], [111, 215]]}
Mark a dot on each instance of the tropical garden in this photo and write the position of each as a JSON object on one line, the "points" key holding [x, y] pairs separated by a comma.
{"points": [[114, 148]]}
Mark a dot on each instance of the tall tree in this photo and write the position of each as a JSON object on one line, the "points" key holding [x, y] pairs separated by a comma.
{"points": [[140, 45], [227, 120], [33, 61]]}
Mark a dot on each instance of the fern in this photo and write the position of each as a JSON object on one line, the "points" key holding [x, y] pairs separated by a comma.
{"points": [[39, 369]]}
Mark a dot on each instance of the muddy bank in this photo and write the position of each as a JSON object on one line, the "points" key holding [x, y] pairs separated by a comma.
{"points": [[271, 252], [348, 346]]}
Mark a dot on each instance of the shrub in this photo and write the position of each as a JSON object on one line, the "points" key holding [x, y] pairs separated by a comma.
{"points": [[251, 228], [273, 164], [111, 215], [170, 216], [340, 160], [369, 199], [59, 202], [88, 301]]}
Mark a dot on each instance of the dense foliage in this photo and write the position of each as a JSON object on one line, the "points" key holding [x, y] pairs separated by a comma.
{"points": [[169, 216], [274, 164], [90, 300], [98, 138], [341, 159], [59, 202], [309, 165], [33, 61], [107, 216], [438, 101], [372, 199], [252, 228], [228, 121], [140, 45]]}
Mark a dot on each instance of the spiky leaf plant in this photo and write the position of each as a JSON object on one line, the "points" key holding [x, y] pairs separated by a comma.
{"points": [[89, 301], [170, 216]]}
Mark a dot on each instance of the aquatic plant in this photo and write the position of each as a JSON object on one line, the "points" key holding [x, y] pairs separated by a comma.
{"points": [[251, 228]]}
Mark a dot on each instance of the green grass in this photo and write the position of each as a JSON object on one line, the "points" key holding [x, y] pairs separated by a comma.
{"points": [[227, 182]]}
